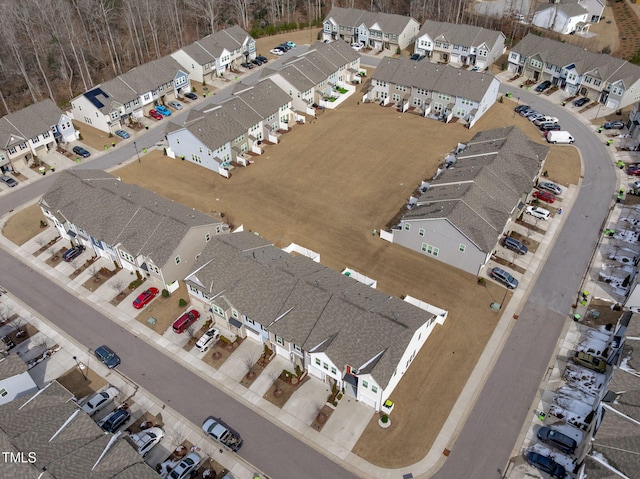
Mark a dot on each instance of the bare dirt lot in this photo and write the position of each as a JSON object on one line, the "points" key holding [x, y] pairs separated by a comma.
{"points": [[326, 186]]}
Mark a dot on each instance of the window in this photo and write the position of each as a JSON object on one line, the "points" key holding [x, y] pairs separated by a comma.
{"points": [[3, 392], [177, 259], [318, 363], [407, 226], [279, 340], [421, 232], [334, 371], [325, 366], [207, 237], [374, 389], [365, 384], [461, 248], [234, 313], [297, 348]]}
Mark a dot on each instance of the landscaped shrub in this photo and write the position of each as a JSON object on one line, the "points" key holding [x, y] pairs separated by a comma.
{"points": [[134, 284], [182, 303], [165, 293], [384, 419]]}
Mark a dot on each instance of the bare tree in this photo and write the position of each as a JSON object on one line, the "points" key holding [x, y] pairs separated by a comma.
{"points": [[249, 361], [6, 311], [17, 325], [277, 382], [94, 270], [117, 285], [41, 344]]}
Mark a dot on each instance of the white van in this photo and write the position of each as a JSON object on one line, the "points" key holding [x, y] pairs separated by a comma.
{"points": [[560, 137]]}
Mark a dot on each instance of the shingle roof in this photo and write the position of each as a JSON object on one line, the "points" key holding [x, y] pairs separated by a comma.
{"points": [[478, 194], [607, 68], [119, 213], [389, 22], [11, 365], [67, 443], [460, 34], [434, 77], [30, 121], [310, 302], [209, 48], [151, 75]]}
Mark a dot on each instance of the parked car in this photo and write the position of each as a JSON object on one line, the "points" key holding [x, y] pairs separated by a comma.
{"points": [[106, 355], [290, 44], [72, 253], [175, 104], [256, 62], [529, 113], [416, 56], [589, 362], [357, 46], [146, 439], [191, 96], [186, 320], [546, 464], [558, 440], [551, 187], [99, 400], [155, 114], [545, 119], [613, 125], [122, 134], [545, 127], [538, 212], [559, 136], [635, 185], [526, 111], [276, 51], [475, 69], [115, 420], [163, 110], [247, 65], [633, 170], [543, 86], [535, 116], [581, 101], [78, 150], [208, 339], [7, 180], [284, 47], [262, 59], [544, 196], [503, 277], [145, 298], [184, 467], [519, 108], [514, 245]]}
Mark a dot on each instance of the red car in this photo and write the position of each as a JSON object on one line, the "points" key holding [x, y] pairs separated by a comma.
{"points": [[186, 320], [155, 114], [544, 196], [633, 170], [145, 298]]}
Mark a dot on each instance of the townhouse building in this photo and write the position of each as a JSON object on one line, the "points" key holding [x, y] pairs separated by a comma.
{"points": [[376, 30], [565, 17], [435, 91], [128, 97], [327, 324], [467, 206], [216, 54], [317, 74], [444, 42], [33, 131], [134, 228], [611, 81]]}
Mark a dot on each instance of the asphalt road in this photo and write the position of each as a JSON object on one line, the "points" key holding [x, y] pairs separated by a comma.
{"points": [[484, 445]]}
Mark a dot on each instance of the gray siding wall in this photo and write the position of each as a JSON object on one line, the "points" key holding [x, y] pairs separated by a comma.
{"points": [[441, 234]]}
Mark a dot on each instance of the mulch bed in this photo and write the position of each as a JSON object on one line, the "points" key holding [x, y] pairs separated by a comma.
{"points": [[506, 262], [54, 259], [99, 279], [27, 331], [220, 353], [248, 379], [82, 267], [322, 418], [120, 297], [278, 396], [148, 419]]}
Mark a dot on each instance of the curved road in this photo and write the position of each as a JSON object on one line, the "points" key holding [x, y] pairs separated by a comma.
{"points": [[482, 449]]}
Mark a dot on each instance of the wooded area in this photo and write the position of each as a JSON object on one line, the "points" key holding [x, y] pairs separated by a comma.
{"points": [[60, 48]]}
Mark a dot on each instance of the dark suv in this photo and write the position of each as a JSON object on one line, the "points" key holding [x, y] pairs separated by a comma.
{"points": [[581, 101], [514, 245], [78, 150], [543, 86], [116, 420], [503, 277], [558, 440]]}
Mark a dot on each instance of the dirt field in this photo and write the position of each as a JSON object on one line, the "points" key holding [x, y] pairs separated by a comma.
{"points": [[326, 186]]}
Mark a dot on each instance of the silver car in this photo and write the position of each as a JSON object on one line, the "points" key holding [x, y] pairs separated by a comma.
{"points": [[175, 104], [550, 187]]}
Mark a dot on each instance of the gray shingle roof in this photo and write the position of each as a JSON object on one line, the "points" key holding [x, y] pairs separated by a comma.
{"points": [[119, 213], [210, 47], [149, 76], [313, 303], [30, 121], [434, 77], [67, 442], [11, 365], [460, 34], [479, 193], [389, 22], [607, 68]]}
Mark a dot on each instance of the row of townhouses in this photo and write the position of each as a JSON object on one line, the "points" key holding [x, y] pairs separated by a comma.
{"points": [[326, 323], [611, 81], [437, 91], [223, 136], [465, 209], [32, 131]]}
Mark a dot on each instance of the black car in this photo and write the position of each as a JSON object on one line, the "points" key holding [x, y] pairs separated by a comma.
{"points": [[543, 86], [262, 59], [558, 440], [284, 47], [72, 253], [515, 245], [581, 101], [415, 56], [256, 62], [191, 96], [613, 125], [115, 420], [78, 150], [106, 355], [550, 127], [7, 180], [247, 65], [519, 108], [546, 464]]}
